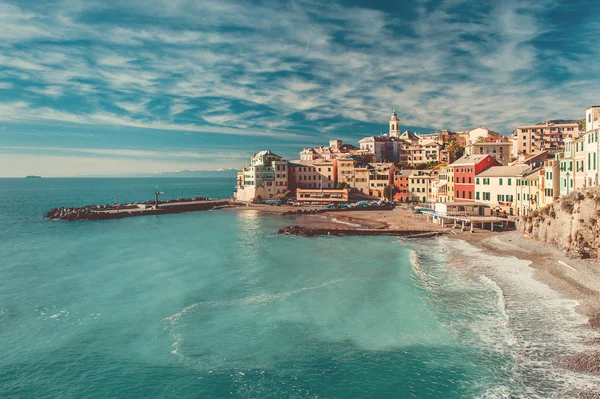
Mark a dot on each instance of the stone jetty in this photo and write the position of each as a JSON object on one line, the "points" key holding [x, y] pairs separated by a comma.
{"points": [[106, 212], [311, 232]]}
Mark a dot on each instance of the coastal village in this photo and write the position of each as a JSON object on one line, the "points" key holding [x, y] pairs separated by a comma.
{"points": [[477, 172]]}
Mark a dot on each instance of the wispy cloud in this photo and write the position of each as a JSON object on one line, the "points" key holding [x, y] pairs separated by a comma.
{"points": [[243, 69]]}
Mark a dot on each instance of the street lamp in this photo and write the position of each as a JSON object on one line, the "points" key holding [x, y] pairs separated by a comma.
{"points": [[567, 182]]}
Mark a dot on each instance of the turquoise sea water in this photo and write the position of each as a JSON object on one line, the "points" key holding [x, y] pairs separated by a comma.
{"points": [[215, 304]]}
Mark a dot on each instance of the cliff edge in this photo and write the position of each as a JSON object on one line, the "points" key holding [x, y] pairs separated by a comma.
{"points": [[570, 223]]}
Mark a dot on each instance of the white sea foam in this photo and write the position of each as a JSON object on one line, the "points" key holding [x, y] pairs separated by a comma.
{"points": [[62, 313], [345, 223], [535, 326]]}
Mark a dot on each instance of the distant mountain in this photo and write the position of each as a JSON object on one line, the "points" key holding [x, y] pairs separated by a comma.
{"points": [[193, 173]]}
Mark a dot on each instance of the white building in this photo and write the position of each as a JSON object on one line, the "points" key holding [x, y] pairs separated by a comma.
{"points": [[592, 145], [265, 179], [497, 186]]}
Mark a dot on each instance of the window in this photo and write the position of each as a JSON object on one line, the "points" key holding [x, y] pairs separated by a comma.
{"points": [[470, 195], [477, 180], [477, 195], [486, 196], [509, 182], [500, 181]]}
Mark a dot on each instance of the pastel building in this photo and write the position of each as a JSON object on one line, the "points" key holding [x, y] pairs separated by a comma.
{"points": [[497, 186], [479, 134], [499, 149], [401, 185], [384, 147], [440, 187], [381, 175], [315, 174], [528, 191], [548, 135], [591, 157], [551, 186], [265, 178], [336, 150], [566, 177], [420, 185]]}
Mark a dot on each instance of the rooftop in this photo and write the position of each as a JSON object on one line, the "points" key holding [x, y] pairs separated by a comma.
{"points": [[503, 171], [552, 122], [469, 159]]}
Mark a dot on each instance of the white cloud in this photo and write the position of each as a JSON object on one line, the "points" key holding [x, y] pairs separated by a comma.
{"points": [[446, 72]]}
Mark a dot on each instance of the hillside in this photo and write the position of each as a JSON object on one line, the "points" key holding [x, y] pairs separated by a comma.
{"points": [[571, 223]]}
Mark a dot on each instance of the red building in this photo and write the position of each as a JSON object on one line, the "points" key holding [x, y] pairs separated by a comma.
{"points": [[401, 185], [465, 170]]}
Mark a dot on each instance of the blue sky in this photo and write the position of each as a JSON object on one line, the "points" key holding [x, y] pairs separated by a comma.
{"points": [[101, 87]]}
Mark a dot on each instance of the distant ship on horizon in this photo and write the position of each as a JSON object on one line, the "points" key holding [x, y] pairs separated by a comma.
{"points": [[33, 177]]}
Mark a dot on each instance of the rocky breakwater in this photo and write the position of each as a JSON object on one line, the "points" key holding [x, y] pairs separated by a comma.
{"points": [[74, 213], [311, 232], [105, 212], [570, 223]]}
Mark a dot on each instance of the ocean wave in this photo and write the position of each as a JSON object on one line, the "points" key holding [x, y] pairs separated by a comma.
{"points": [[535, 325], [251, 300]]}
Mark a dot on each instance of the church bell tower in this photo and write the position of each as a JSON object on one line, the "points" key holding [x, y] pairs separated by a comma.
{"points": [[394, 125]]}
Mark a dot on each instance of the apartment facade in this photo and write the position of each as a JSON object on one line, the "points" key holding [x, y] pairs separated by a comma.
{"points": [[385, 148], [528, 192], [497, 187], [267, 177], [419, 185], [547, 135], [401, 185], [551, 181], [465, 170], [500, 150], [380, 176], [315, 174]]}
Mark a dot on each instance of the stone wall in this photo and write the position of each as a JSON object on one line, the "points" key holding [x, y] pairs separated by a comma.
{"points": [[571, 223]]}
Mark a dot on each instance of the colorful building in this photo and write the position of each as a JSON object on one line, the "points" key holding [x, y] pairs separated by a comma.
{"points": [[381, 175], [548, 135], [306, 174], [401, 185], [497, 187], [266, 178], [499, 149], [465, 169]]}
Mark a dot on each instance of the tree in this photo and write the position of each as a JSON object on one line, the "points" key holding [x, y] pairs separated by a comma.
{"points": [[581, 125], [341, 185], [456, 151], [388, 192], [480, 139]]}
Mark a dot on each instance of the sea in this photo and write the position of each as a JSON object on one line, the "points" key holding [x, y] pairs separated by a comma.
{"points": [[215, 304]]}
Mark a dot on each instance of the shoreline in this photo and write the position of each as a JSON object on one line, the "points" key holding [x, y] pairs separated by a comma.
{"points": [[575, 279]]}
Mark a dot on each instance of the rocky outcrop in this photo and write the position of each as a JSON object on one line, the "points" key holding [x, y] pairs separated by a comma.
{"points": [[311, 232], [570, 223]]}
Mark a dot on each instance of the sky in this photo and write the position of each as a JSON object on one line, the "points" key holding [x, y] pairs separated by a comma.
{"points": [[126, 87]]}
